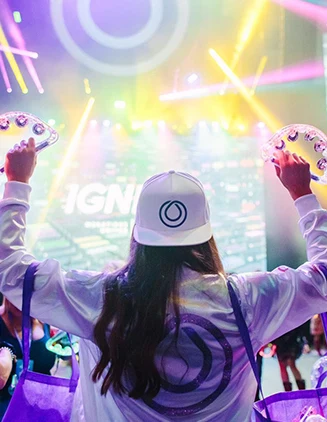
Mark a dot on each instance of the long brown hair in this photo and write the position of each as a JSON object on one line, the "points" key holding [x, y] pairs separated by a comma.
{"points": [[135, 303]]}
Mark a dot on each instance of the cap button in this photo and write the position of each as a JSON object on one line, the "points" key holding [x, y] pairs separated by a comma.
{"points": [[171, 171]]}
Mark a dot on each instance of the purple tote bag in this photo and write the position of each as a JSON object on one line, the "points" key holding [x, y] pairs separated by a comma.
{"points": [[39, 397], [279, 407]]}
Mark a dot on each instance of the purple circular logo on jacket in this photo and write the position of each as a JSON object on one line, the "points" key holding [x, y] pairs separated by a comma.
{"points": [[204, 371]]}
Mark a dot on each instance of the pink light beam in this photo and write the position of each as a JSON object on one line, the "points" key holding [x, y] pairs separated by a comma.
{"points": [[298, 72], [5, 74], [16, 34], [14, 50], [313, 12]]}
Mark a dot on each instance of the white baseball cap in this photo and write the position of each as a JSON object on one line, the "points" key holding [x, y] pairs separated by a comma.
{"points": [[172, 211]]}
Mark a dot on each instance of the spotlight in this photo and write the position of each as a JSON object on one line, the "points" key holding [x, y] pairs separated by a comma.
{"points": [[41, 91], [17, 17], [93, 122], [9, 90], [25, 91], [202, 124], [106, 123], [118, 126], [148, 124], [241, 127], [136, 125], [261, 125], [161, 124], [120, 104], [51, 122], [192, 78]]}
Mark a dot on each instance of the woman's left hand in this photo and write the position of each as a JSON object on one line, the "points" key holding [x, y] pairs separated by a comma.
{"points": [[20, 162]]}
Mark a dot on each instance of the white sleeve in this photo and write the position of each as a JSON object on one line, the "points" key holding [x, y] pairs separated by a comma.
{"points": [[276, 302], [71, 301]]}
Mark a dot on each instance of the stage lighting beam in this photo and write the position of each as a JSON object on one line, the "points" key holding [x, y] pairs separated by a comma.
{"points": [[259, 109], [5, 74], [256, 106], [312, 12], [64, 165], [19, 52], [16, 35], [258, 74], [293, 73], [251, 20], [12, 62]]}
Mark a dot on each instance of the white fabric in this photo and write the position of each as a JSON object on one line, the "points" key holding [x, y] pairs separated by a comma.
{"points": [[172, 210], [273, 303]]}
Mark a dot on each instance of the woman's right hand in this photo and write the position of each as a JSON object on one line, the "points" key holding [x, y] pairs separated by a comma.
{"points": [[294, 173]]}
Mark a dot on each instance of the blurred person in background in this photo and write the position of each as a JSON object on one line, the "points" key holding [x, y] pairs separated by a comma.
{"points": [[288, 349], [317, 331]]}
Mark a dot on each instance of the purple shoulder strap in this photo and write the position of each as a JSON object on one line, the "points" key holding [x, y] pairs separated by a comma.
{"points": [[26, 307], [244, 331]]}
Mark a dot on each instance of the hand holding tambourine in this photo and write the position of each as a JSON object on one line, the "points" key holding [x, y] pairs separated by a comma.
{"points": [[290, 134], [24, 125]]}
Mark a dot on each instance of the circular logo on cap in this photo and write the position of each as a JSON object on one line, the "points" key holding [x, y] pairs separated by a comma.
{"points": [[168, 215]]}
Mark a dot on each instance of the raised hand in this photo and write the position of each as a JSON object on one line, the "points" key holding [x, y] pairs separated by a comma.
{"points": [[294, 173], [20, 161]]}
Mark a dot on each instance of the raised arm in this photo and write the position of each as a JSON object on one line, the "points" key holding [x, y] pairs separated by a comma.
{"points": [[278, 301], [70, 301]]}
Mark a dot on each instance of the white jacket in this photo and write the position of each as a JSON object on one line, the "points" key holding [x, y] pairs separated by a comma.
{"points": [[210, 379]]}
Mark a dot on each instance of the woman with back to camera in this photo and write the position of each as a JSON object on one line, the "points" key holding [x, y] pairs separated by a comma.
{"points": [[159, 336]]}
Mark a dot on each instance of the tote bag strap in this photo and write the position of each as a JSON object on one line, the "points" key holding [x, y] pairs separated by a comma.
{"points": [[244, 331], [27, 296]]}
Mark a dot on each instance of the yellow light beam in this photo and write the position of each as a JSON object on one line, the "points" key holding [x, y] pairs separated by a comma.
{"points": [[12, 62], [64, 166], [260, 110], [87, 87], [251, 20], [258, 74]]}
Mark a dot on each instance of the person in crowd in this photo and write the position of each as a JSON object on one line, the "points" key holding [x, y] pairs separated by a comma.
{"points": [[159, 337], [289, 349], [317, 332], [42, 360]]}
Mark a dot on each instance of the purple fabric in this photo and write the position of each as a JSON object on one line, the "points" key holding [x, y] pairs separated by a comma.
{"points": [[240, 321], [288, 406], [39, 397], [279, 407]]}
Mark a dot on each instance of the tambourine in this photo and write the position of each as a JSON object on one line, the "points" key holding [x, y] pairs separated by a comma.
{"points": [[61, 345], [44, 135], [290, 134], [319, 372]]}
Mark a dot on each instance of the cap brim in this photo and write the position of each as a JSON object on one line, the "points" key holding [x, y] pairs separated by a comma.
{"points": [[172, 238]]}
